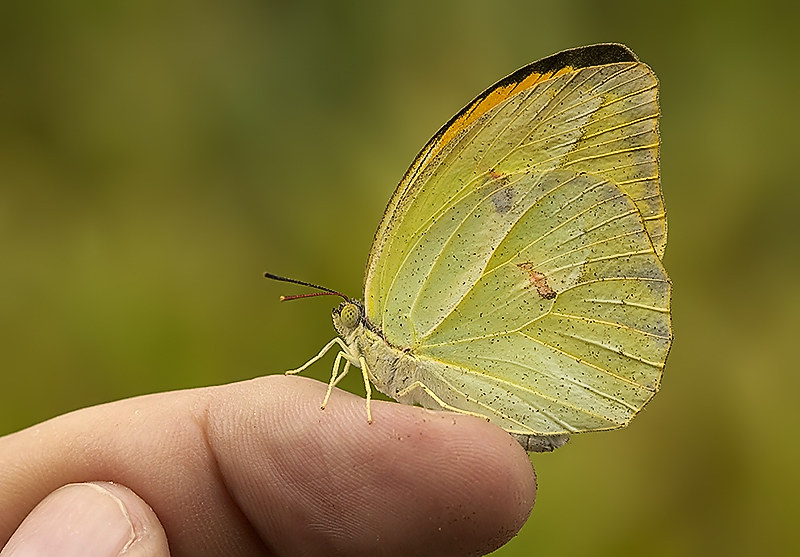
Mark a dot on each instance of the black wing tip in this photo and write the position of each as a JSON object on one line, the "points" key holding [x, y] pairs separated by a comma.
{"points": [[576, 58], [592, 55]]}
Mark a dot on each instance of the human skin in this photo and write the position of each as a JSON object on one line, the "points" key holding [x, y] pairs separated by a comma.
{"points": [[257, 468]]}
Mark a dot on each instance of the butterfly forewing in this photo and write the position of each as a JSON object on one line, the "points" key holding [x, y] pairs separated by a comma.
{"points": [[522, 251]]}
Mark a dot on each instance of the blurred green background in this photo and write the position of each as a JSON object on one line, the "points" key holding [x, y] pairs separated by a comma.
{"points": [[157, 157]]}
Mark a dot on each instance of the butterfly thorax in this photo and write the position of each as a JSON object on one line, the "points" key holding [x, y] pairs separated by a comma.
{"points": [[389, 368]]}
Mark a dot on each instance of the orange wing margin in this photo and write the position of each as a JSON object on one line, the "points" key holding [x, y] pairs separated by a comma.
{"points": [[524, 78]]}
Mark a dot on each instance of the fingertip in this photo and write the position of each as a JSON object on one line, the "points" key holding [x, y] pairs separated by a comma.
{"points": [[483, 477], [92, 518], [149, 538], [420, 481]]}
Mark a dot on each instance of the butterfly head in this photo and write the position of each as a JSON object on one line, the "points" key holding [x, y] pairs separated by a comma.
{"points": [[348, 316]]}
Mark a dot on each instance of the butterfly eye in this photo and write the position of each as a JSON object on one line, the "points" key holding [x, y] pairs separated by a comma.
{"points": [[350, 315]]}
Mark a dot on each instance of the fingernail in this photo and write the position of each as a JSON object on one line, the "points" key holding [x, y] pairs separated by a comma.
{"points": [[83, 520]]}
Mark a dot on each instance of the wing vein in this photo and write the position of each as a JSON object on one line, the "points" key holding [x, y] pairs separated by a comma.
{"points": [[566, 378], [586, 363], [657, 365], [608, 323]]}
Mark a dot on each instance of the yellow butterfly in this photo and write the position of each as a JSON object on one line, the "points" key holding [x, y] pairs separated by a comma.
{"points": [[516, 274]]}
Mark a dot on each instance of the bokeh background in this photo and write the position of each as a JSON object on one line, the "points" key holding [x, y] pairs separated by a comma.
{"points": [[157, 157]]}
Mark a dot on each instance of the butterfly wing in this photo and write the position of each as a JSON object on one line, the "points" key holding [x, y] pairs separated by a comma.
{"points": [[522, 249]]}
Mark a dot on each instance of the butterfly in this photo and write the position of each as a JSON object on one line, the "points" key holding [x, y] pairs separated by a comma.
{"points": [[516, 274]]}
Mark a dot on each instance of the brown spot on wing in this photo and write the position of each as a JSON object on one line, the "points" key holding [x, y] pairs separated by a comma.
{"points": [[496, 175], [538, 280], [503, 198]]}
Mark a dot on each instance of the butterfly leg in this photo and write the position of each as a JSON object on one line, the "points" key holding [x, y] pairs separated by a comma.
{"points": [[367, 387], [348, 361], [420, 385], [336, 378], [335, 375], [322, 352]]}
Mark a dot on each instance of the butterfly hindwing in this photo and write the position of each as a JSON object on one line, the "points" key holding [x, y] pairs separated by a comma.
{"points": [[566, 329]]}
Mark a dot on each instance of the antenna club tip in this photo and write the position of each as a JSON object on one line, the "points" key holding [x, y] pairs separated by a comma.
{"points": [[282, 298]]}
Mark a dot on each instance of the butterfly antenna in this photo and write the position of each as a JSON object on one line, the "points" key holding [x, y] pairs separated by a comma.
{"points": [[323, 291]]}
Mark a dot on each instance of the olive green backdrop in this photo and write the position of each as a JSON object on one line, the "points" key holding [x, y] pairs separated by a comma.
{"points": [[157, 157]]}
